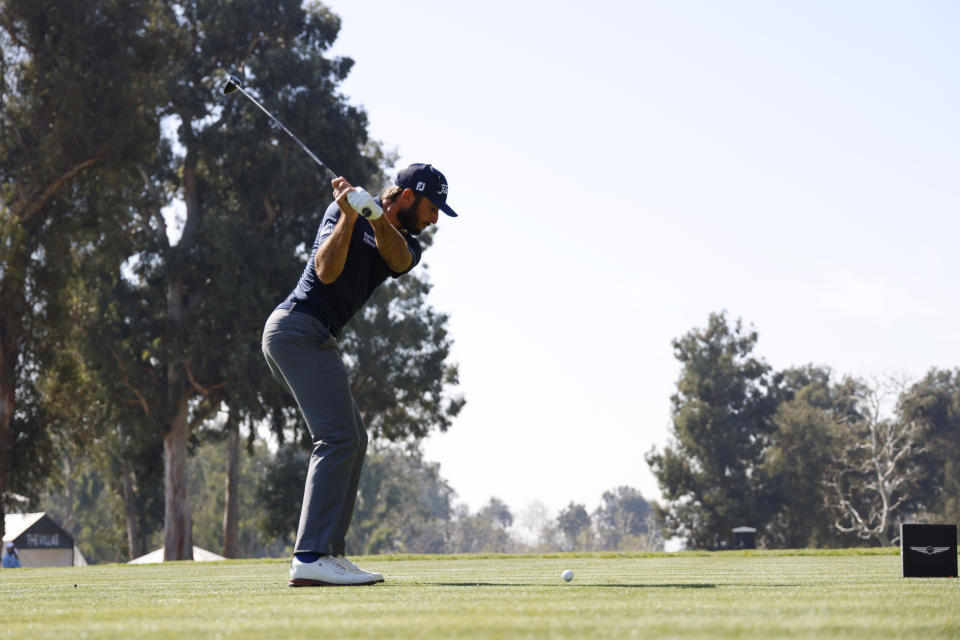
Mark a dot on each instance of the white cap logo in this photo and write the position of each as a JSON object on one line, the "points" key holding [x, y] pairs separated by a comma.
{"points": [[421, 186]]}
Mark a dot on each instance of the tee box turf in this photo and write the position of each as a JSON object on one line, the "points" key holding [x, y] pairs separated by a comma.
{"points": [[928, 550]]}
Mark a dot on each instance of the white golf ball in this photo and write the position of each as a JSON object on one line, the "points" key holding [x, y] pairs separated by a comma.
{"points": [[568, 575]]}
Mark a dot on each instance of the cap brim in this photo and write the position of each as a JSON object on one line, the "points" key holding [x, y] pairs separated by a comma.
{"points": [[443, 207]]}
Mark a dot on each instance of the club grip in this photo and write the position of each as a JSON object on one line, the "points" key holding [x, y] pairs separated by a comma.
{"points": [[364, 204]]}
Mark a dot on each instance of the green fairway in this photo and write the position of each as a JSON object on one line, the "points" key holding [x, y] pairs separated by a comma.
{"points": [[686, 595]]}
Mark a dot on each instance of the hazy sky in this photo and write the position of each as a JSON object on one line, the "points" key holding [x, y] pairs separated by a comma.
{"points": [[622, 169]]}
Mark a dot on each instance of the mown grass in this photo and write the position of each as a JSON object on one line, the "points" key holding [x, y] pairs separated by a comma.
{"points": [[721, 595]]}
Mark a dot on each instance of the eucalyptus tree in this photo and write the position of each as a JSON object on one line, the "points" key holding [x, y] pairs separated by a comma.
{"points": [[112, 119], [75, 88], [196, 295]]}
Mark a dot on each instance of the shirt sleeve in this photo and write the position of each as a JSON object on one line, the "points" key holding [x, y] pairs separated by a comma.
{"points": [[416, 250], [328, 223]]}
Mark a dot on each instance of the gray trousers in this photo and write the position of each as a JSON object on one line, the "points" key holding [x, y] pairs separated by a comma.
{"points": [[303, 357]]}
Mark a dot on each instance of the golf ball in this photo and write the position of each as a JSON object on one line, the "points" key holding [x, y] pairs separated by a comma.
{"points": [[568, 575]]}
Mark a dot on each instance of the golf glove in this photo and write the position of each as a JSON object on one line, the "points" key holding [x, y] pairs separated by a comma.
{"points": [[364, 204]]}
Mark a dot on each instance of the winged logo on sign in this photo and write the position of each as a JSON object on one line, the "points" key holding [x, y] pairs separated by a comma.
{"points": [[930, 551]]}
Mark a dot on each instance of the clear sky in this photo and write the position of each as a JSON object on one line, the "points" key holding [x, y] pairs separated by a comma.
{"points": [[624, 168]]}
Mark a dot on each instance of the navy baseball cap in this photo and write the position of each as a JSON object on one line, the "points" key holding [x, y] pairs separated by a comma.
{"points": [[425, 179]]}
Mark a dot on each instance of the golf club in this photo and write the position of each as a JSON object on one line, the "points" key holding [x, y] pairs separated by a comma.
{"points": [[359, 199]]}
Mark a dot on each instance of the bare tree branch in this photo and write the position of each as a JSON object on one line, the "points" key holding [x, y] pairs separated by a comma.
{"points": [[874, 474]]}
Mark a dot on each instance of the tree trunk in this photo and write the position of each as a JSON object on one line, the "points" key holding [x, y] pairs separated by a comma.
{"points": [[69, 493], [6, 441], [8, 384], [135, 546], [230, 546], [177, 537]]}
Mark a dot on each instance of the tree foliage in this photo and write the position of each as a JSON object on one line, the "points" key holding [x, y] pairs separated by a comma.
{"points": [[573, 522], [722, 420], [111, 113], [802, 447], [933, 403], [75, 93], [625, 521], [404, 505], [807, 459], [208, 471], [280, 492], [180, 330]]}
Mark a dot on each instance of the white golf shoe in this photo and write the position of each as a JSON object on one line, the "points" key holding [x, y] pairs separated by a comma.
{"points": [[377, 577], [328, 571]]}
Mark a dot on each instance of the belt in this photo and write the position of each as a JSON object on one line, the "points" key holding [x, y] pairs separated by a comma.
{"points": [[301, 307]]}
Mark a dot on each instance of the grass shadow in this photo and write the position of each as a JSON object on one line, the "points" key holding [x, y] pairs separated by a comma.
{"points": [[527, 584]]}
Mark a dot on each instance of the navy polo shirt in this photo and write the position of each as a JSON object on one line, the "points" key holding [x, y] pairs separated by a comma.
{"points": [[365, 269]]}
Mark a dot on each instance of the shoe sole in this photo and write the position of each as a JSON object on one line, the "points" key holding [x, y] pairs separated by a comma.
{"points": [[301, 582]]}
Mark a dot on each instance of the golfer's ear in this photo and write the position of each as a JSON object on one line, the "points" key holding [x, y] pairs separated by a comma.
{"points": [[407, 197]]}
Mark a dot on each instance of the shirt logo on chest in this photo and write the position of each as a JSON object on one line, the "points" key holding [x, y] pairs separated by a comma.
{"points": [[370, 239]]}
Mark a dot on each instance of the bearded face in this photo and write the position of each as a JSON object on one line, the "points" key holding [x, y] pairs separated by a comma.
{"points": [[409, 219]]}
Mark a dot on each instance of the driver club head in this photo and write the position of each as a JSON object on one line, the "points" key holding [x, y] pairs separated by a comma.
{"points": [[232, 84]]}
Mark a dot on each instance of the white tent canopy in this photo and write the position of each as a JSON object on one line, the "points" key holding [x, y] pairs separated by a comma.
{"points": [[156, 557]]}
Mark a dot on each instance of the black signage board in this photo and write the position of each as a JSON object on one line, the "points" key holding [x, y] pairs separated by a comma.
{"points": [[929, 550]]}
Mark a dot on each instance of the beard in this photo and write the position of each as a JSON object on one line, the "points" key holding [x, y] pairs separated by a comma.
{"points": [[408, 218]]}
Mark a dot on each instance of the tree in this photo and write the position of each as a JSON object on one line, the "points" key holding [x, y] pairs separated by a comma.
{"points": [[573, 521], [208, 471], [801, 449], [88, 508], [722, 420], [74, 94], [934, 404], [177, 338], [483, 532], [874, 478], [189, 309], [624, 521], [497, 512], [280, 492], [403, 504], [106, 482]]}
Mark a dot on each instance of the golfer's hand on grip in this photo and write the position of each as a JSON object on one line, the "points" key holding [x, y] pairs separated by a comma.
{"points": [[356, 199]]}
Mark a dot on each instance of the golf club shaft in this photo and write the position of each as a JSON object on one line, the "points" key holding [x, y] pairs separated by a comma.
{"points": [[329, 172]]}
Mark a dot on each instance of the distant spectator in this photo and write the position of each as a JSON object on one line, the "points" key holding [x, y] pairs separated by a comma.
{"points": [[10, 558]]}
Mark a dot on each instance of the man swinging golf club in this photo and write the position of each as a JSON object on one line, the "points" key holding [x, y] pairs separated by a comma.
{"points": [[352, 255]]}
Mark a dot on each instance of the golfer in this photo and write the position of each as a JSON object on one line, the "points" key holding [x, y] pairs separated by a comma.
{"points": [[351, 257]]}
